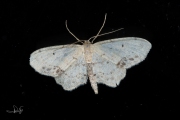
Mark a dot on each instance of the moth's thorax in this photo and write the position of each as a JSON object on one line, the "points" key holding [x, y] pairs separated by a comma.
{"points": [[88, 51]]}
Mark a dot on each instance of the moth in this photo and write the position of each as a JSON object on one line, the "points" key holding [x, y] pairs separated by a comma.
{"points": [[103, 62]]}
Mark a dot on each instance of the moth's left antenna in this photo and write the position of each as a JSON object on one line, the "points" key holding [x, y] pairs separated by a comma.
{"points": [[71, 32]]}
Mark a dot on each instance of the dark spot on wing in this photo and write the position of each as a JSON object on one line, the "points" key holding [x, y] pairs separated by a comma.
{"points": [[59, 71], [136, 56], [74, 58], [55, 67], [131, 59], [53, 53], [122, 45], [124, 59], [122, 63], [48, 69], [102, 54]]}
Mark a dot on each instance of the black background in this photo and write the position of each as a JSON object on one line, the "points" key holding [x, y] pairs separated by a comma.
{"points": [[150, 89]]}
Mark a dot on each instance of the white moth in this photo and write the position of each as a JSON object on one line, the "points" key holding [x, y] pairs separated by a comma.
{"points": [[103, 62]]}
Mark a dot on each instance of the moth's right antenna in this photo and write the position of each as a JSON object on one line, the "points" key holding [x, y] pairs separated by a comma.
{"points": [[103, 33], [100, 28], [106, 33]]}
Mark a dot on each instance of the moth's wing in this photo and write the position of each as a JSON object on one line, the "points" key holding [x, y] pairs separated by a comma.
{"points": [[65, 63], [74, 76], [111, 58], [106, 72], [125, 52]]}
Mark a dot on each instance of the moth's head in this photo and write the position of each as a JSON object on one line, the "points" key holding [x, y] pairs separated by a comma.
{"points": [[86, 42]]}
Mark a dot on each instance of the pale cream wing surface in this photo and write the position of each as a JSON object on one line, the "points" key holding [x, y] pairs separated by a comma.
{"points": [[74, 76], [106, 72], [65, 63], [111, 58], [51, 61], [125, 52]]}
